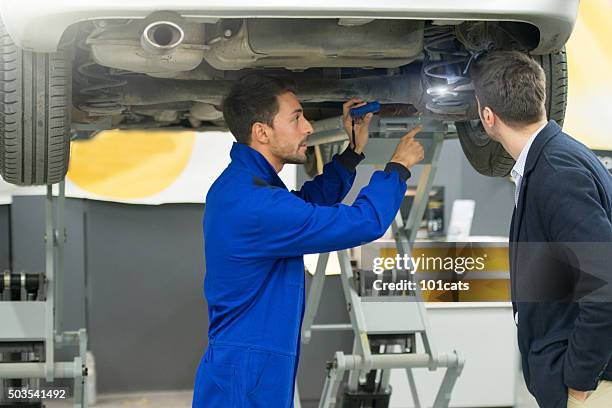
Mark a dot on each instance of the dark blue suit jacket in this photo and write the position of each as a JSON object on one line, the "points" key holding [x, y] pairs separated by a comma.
{"points": [[564, 336]]}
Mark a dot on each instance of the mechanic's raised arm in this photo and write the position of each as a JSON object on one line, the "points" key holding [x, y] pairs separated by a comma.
{"points": [[289, 226], [338, 175]]}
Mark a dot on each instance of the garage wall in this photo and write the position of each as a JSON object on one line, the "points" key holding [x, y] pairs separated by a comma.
{"points": [[147, 315], [137, 271], [494, 201]]}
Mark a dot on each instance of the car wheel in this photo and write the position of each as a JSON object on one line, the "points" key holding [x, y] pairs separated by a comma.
{"points": [[35, 100], [489, 157]]}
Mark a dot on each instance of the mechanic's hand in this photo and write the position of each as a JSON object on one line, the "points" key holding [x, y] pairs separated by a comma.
{"points": [[579, 395], [361, 125], [408, 151]]}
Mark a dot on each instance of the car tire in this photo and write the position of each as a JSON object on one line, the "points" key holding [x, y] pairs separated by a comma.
{"points": [[489, 157], [35, 101]]}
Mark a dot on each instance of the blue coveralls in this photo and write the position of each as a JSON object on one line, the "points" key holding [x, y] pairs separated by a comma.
{"points": [[256, 233]]}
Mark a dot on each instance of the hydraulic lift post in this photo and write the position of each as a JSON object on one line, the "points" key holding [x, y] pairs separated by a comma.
{"points": [[36, 324]]}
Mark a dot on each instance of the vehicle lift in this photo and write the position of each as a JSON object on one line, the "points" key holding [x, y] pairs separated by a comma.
{"points": [[32, 320], [380, 342]]}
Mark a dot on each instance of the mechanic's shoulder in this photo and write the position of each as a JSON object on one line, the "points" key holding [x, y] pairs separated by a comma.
{"points": [[258, 182], [229, 184]]}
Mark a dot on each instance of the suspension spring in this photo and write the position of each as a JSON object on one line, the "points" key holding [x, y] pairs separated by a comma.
{"points": [[98, 84], [444, 71]]}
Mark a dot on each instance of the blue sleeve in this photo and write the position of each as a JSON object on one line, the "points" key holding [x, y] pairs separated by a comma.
{"points": [[576, 219], [332, 186], [289, 226]]}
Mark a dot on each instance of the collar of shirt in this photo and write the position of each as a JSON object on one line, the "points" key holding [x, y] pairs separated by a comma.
{"points": [[519, 166]]}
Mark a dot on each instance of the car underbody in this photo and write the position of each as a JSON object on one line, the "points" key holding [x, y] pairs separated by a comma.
{"points": [[165, 71]]}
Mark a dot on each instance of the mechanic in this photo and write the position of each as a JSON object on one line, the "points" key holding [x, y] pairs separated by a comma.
{"points": [[256, 233], [563, 199]]}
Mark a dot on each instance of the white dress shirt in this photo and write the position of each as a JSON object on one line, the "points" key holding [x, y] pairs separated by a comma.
{"points": [[519, 167], [517, 174]]}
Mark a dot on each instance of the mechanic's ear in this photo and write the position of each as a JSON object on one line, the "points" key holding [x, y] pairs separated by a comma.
{"points": [[260, 133]]}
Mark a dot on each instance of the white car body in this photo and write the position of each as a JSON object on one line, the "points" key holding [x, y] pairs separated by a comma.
{"points": [[38, 25]]}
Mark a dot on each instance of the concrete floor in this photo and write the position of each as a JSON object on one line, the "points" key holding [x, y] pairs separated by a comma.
{"points": [[182, 399], [166, 399]]}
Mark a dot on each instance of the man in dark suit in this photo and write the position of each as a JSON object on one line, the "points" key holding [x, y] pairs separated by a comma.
{"points": [[560, 238]]}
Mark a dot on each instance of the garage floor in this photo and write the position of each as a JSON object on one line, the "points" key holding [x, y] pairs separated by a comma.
{"points": [[168, 399], [182, 399]]}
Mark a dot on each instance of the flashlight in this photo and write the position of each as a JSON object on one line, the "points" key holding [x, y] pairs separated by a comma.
{"points": [[359, 112], [363, 110]]}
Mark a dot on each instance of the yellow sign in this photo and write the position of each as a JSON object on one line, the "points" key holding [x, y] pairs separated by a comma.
{"points": [[128, 165]]}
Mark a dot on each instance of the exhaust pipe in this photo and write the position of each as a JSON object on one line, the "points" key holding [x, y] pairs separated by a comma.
{"points": [[161, 37], [406, 88]]}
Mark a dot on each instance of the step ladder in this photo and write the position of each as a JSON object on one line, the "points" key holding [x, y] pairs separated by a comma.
{"points": [[376, 317]]}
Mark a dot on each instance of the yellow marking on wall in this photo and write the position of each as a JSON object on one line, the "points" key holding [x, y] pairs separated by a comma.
{"points": [[589, 107], [130, 164]]}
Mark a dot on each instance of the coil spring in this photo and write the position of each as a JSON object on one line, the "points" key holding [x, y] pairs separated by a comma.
{"points": [[444, 69], [98, 84]]}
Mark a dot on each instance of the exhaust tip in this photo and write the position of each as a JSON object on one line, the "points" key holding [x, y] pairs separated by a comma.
{"points": [[162, 37]]}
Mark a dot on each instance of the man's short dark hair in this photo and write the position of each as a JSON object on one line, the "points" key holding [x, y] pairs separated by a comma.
{"points": [[512, 84], [253, 98]]}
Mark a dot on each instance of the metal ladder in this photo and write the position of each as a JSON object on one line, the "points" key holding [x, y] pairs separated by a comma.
{"points": [[373, 315], [40, 321]]}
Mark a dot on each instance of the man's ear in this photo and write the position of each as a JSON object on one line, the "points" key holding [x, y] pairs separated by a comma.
{"points": [[488, 117], [260, 133]]}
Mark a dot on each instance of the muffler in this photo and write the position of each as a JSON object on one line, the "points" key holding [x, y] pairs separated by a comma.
{"points": [[162, 45], [162, 37]]}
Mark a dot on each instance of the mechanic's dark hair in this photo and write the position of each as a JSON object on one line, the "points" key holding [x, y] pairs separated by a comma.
{"points": [[253, 99], [512, 85]]}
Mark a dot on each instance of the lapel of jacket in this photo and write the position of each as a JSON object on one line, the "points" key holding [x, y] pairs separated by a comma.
{"points": [[546, 134]]}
